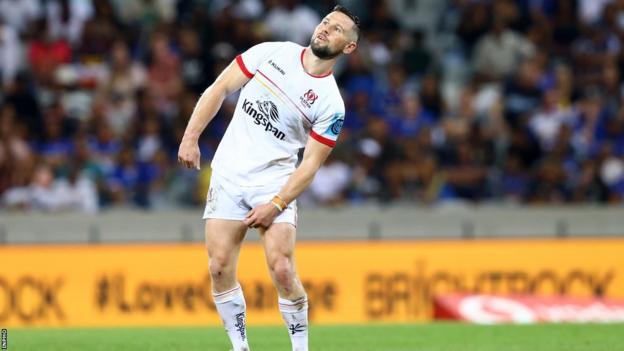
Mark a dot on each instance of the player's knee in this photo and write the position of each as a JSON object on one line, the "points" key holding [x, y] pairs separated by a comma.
{"points": [[219, 268], [283, 270]]}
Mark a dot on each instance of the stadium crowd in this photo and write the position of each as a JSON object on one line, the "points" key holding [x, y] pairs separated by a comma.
{"points": [[447, 100]]}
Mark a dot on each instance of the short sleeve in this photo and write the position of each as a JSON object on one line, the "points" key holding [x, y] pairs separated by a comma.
{"points": [[250, 60], [327, 128]]}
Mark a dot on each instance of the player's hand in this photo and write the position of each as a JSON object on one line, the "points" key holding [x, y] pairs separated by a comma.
{"points": [[188, 153], [261, 216]]}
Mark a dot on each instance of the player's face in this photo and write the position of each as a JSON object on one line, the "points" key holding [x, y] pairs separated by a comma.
{"points": [[333, 36]]}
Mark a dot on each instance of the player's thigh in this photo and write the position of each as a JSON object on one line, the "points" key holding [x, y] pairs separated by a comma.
{"points": [[224, 238], [278, 241]]}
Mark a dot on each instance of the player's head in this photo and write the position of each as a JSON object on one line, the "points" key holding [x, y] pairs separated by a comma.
{"points": [[338, 33]]}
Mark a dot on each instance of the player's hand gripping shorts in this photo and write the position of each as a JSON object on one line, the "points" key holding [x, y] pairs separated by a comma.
{"points": [[227, 200]]}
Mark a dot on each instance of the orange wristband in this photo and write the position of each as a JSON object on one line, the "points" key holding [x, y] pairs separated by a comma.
{"points": [[279, 203], [277, 206]]}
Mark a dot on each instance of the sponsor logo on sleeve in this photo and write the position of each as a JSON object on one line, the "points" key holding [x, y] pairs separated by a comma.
{"points": [[336, 125]]}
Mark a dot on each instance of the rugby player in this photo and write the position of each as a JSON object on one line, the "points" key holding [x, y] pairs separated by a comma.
{"points": [[289, 100]]}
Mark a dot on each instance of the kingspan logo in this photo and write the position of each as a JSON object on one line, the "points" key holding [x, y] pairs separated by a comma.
{"points": [[265, 113], [240, 325]]}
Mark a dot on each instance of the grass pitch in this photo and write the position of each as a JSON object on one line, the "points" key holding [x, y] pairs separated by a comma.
{"points": [[413, 337]]}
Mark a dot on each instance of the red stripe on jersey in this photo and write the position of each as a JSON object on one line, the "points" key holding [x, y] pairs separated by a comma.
{"points": [[286, 95], [241, 64], [321, 139], [310, 74]]}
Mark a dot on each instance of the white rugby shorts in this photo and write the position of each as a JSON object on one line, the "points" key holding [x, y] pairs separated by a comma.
{"points": [[226, 200]]}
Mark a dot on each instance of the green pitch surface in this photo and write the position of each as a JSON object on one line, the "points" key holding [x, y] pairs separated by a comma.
{"points": [[417, 337]]}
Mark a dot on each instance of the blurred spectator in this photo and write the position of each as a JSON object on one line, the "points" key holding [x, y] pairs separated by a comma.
{"points": [[522, 92], [591, 10], [23, 99], [18, 14], [233, 35], [614, 133], [596, 48], [565, 85], [473, 24], [80, 191], [381, 22], [566, 26], [590, 186], [418, 15], [466, 173], [499, 52], [514, 182], [358, 76], [196, 64], [74, 98], [244, 9], [66, 18], [46, 53], [523, 145], [164, 82], [417, 59], [291, 20], [17, 159], [427, 180], [378, 163], [330, 183], [42, 193], [359, 85], [589, 131], [412, 118], [160, 176], [85, 164], [48, 194], [98, 34], [389, 99], [55, 146], [119, 86], [104, 146], [147, 14], [124, 181], [611, 82], [377, 49], [458, 121], [548, 121], [431, 97], [149, 140], [548, 184], [612, 174], [10, 55]]}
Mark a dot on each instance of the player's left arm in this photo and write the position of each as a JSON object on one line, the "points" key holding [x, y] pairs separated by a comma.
{"points": [[314, 155]]}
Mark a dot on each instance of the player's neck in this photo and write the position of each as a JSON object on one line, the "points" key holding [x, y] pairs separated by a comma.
{"points": [[316, 66]]}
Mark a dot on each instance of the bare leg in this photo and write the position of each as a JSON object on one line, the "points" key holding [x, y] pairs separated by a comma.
{"points": [[223, 242], [279, 246]]}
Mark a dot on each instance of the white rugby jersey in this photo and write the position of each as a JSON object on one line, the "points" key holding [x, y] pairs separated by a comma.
{"points": [[276, 112]]}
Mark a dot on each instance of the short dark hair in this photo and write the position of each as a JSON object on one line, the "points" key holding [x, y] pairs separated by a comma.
{"points": [[352, 16]]}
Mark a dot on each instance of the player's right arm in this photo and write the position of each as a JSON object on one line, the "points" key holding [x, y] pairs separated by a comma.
{"points": [[230, 80]]}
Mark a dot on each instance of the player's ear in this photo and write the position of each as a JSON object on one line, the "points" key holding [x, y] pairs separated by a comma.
{"points": [[349, 48]]}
